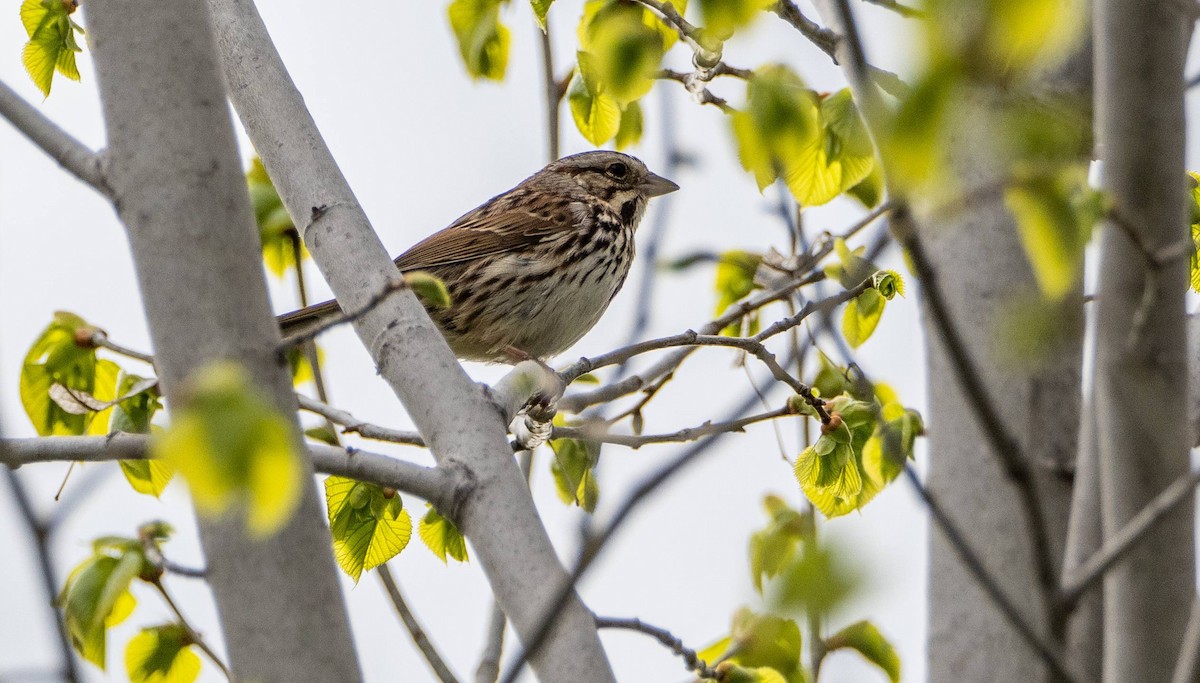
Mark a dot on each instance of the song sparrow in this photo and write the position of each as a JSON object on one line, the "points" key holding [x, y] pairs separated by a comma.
{"points": [[531, 270]]}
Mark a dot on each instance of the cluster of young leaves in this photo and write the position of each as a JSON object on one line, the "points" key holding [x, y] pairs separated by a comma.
{"points": [[573, 469], [861, 450], [234, 448], [807, 577], [97, 596], [815, 142], [281, 241], [621, 47], [862, 313], [369, 524], [441, 536], [52, 41], [1194, 213]]}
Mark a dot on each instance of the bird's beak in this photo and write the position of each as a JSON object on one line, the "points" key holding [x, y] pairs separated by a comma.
{"points": [[656, 185]]}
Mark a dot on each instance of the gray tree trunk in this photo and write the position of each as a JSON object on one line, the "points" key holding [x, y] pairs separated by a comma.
{"points": [[178, 187], [1141, 364]]}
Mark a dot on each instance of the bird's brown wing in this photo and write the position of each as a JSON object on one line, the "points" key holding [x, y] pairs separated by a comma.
{"points": [[493, 228]]}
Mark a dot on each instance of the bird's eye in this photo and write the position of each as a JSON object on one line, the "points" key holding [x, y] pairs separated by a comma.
{"points": [[617, 170]]}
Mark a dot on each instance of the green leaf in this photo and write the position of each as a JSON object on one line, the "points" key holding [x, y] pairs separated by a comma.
{"points": [[1194, 211], [52, 43], [276, 230], [912, 137], [482, 40], [779, 120], [162, 654], [1053, 232], [630, 131], [818, 580], [96, 595], [442, 537], [836, 160], [369, 526], [723, 17], [765, 640], [626, 53], [772, 548], [234, 449], [861, 316], [734, 281], [63, 355], [1022, 34], [597, 114], [429, 289], [870, 190], [573, 469], [540, 9], [864, 637]]}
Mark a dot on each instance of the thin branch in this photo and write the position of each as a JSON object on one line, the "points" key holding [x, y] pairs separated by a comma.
{"points": [[436, 485], [100, 338], [828, 42], [489, 664], [42, 550], [598, 433], [1187, 666], [988, 583], [553, 96], [1126, 539], [707, 51], [420, 639], [665, 637], [71, 154], [697, 85], [353, 425], [193, 634], [342, 318], [903, 10]]}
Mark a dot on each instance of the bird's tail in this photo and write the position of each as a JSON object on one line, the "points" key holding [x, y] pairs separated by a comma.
{"points": [[307, 318]]}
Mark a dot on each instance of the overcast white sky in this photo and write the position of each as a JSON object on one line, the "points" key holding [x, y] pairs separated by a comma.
{"points": [[421, 144]]}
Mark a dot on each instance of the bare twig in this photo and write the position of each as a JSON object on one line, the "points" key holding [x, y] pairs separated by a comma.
{"points": [[553, 95], [903, 10], [986, 581], [1120, 543], [489, 663], [695, 84], [599, 433], [353, 425], [100, 338], [420, 639], [665, 637], [343, 318], [38, 535], [71, 154]]}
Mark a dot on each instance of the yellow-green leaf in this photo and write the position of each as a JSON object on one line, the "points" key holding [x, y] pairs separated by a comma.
{"points": [[96, 595], [1053, 233], [234, 449], [864, 637], [61, 355], [278, 234], [723, 17], [630, 131], [442, 537], [482, 40], [837, 159], [597, 114], [765, 640], [573, 469], [428, 288], [52, 43], [369, 527], [540, 9], [861, 317], [626, 53], [162, 654], [734, 281], [779, 120]]}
